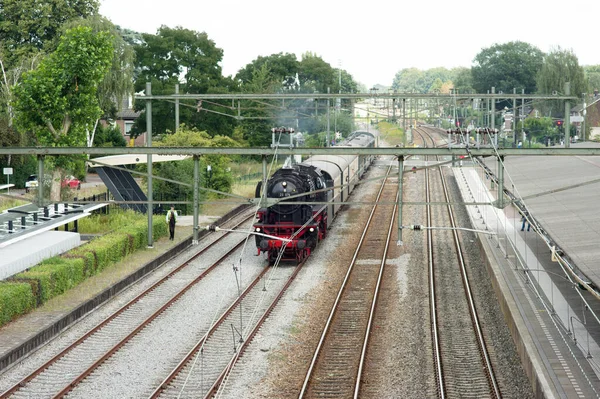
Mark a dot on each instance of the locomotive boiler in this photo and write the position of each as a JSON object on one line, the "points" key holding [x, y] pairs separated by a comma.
{"points": [[309, 196]]}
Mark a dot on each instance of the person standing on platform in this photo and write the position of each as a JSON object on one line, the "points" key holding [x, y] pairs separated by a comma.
{"points": [[524, 220], [171, 220]]}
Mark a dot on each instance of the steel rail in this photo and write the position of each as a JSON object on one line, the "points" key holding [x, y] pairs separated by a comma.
{"points": [[437, 352], [489, 371], [363, 353], [218, 383], [339, 295], [106, 321], [144, 324], [173, 374]]}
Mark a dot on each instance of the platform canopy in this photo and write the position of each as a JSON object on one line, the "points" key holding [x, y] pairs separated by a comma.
{"points": [[133, 159]]}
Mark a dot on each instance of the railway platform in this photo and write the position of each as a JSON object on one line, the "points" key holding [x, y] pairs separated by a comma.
{"points": [[556, 335]]}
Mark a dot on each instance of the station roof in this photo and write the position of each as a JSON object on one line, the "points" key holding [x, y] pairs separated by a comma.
{"points": [[562, 194], [133, 159]]}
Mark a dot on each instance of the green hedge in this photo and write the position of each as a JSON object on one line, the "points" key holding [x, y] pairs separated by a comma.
{"points": [[56, 275], [53, 276], [15, 299]]}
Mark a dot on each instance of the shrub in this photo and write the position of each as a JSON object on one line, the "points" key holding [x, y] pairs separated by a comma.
{"points": [[15, 299], [54, 276]]}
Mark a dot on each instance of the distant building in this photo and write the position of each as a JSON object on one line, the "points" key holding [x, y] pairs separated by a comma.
{"points": [[125, 119]]}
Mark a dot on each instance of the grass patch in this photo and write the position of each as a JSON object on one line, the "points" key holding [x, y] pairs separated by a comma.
{"points": [[117, 218], [390, 133], [7, 203]]}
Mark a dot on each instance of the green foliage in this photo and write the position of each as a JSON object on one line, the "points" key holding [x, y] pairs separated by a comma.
{"points": [[117, 83], [277, 73], [23, 166], [15, 299], [413, 80], [536, 128], [7, 203], [58, 101], [283, 73], [315, 139], [104, 251], [463, 81], [117, 218], [507, 66], [272, 70], [560, 66], [316, 75], [342, 122], [53, 276], [28, 26], [391, 133], [220, 179], [173, 54], [109, 136], [258, 77], [592, 77]]}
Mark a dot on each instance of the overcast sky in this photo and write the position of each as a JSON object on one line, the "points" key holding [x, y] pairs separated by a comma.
{"points": [[372, 40]]}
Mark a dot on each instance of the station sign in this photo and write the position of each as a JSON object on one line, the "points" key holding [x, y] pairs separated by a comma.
{"points": [[8, 171]]}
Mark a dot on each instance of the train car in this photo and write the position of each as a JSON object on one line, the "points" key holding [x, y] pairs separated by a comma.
{"points": [[320, 184]]}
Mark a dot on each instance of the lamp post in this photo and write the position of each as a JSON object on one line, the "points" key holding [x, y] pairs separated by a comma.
{"points": [[583, 111]]}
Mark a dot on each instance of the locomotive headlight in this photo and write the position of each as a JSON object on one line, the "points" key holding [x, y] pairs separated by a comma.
{"points": [[258, 229], [284, 184], [311, 229]]}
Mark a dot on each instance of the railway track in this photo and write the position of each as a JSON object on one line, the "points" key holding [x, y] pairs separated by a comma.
{"points": [[338, 361], [206, 368], [461, 360], [72, 365]]}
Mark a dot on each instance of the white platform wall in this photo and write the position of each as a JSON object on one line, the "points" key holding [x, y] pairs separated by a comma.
{"points": [[29, 252]]}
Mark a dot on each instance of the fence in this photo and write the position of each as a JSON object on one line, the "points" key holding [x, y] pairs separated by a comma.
{"points": [[183, 209], [104, 197]]}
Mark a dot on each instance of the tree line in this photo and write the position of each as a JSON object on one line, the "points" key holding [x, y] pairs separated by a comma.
{"points": [[65, 69]]}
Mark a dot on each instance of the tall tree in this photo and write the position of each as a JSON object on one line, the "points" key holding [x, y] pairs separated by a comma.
{"points": [[560, 66], [256, 130], [279, 67], [592, 77], [117, 83], [283, 73], [463, 80], [409, 80], [190, 58], [507, 66], [316, 74], [9, 78], [27, 26], [58, 100]]}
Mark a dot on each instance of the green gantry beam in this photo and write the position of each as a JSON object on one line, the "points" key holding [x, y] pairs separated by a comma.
{"points": [[396, 151], [325, 96]]}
